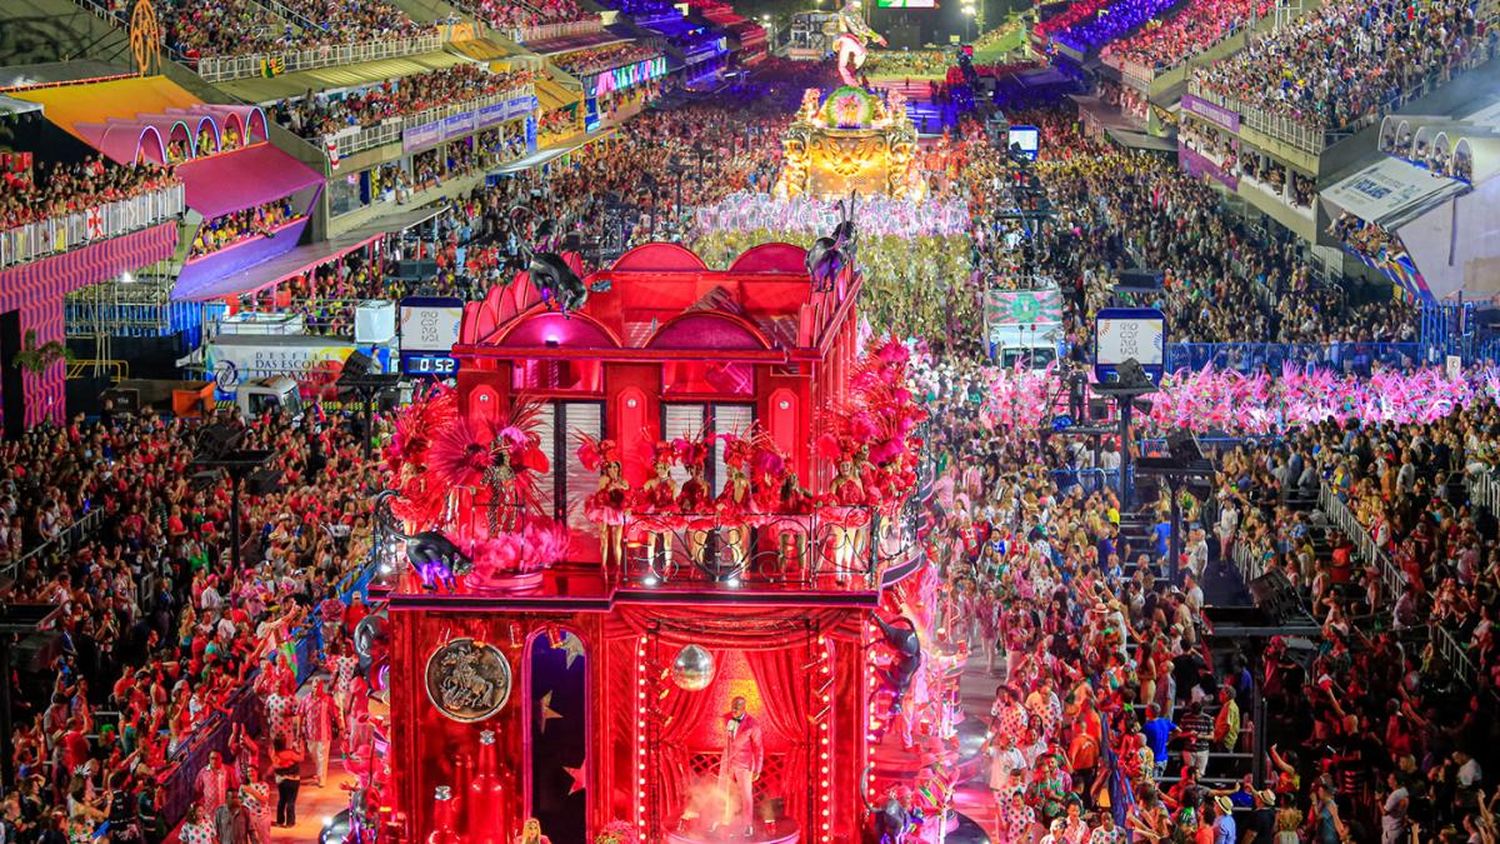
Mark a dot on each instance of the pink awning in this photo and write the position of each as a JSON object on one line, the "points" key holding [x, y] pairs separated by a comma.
{"points": [[243, 179]]}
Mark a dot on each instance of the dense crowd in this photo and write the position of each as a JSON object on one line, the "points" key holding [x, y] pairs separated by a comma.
{"points": [[365, 20], [317, 115], [1199, 25], [1348, 59], [158, 625], [593, 60], [1113, 22], [57, 189], [239, 226], [511, 16]]}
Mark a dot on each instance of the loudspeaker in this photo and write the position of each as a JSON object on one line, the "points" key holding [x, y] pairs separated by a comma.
{"points": [[263, 481], [124, 400], [357, 365], [1273, 594], [1182, 446]]}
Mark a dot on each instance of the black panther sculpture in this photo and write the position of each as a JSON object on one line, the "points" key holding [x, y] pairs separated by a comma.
{"points": [[434, 556], [908, 647], [828, 256]]}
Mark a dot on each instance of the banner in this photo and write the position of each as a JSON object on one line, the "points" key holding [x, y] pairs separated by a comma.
{"points": [[415, 138], [1217, 115], [1195, 163], [1023, 307], [512, 108], [421, 137]]}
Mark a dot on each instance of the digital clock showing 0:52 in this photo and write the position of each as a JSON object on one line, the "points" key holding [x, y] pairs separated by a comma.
{"points": [[428, 365]]}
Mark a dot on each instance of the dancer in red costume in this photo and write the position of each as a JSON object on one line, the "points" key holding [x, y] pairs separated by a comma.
{"points": [[740, 765], [608, 506], [695, 502], [843, 509], [734, 505], [658, 501]]}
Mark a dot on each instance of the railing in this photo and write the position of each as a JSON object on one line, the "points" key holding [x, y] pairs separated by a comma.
{"points": [[69, 536], [1355, 357], [831, 548], [549, 31], [1312, 138], [55, 235], [1251, 564], [179, 780], [1484, 490], [390, 131], [1392, 580], [227, 68]]}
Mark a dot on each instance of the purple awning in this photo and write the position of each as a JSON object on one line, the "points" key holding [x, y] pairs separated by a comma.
{"points": [[243, 179]]}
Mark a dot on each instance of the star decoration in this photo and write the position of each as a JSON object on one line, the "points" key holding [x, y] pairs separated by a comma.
{"points": [[572, 645], [548, 713], [579, 775]]}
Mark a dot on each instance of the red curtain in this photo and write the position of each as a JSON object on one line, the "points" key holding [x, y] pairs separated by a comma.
{"points": [[682, 715], [782, 676]]}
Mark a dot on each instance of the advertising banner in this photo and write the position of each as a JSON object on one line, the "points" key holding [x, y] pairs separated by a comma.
{"points": [[1217, 115]]}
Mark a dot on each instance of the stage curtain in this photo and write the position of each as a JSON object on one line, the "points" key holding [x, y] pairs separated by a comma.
{"points": [[782, 677], [683, 714], [735, 628]]}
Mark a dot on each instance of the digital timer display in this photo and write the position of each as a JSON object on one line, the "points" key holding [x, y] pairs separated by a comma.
{"points": [[428, 365]]}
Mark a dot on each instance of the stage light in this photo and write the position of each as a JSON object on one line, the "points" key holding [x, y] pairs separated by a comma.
{"points": [[733, 582], [649, 580]]}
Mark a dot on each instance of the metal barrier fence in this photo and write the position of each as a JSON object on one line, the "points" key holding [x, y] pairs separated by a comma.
{"points": [[54, 235], [1392, 580], [1353, 357], [180, 779], [227, 68], [65, 540], [549, 31]]}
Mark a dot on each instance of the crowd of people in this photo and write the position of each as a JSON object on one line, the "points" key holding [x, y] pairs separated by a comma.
{"points": [[593, 60], [317, 114], [55, 189], [158, 627], [366, 20], [1166, 42], [1115, 21], [239, 226], [1347, 60], [511, 16]]}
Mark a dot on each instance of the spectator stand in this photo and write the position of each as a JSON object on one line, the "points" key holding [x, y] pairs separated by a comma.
{"points": [[1251, 357]]}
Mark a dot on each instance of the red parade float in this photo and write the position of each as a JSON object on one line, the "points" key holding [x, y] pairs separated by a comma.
{"points": [[655, 542]]}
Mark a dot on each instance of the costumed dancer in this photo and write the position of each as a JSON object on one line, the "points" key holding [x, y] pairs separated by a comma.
{"points": [[695, 502], [793, 505], [735, 505], [843, 509], [850, 45], [531, 833], [608, 506], [658, 501]]}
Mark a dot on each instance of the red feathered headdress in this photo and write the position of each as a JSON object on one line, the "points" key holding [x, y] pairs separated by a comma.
{"points": [[692, 452], [665, 454], [595, 453], [737, 451]]}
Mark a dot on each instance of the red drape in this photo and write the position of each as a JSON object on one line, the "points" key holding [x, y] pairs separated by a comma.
{"points": [[682, 715], [782, 677]]}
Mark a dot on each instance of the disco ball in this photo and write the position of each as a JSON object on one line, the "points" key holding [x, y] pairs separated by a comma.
{"points": [[693, 669]]}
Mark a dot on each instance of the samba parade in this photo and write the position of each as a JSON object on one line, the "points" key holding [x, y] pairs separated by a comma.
{"points": [[745, 422]]}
